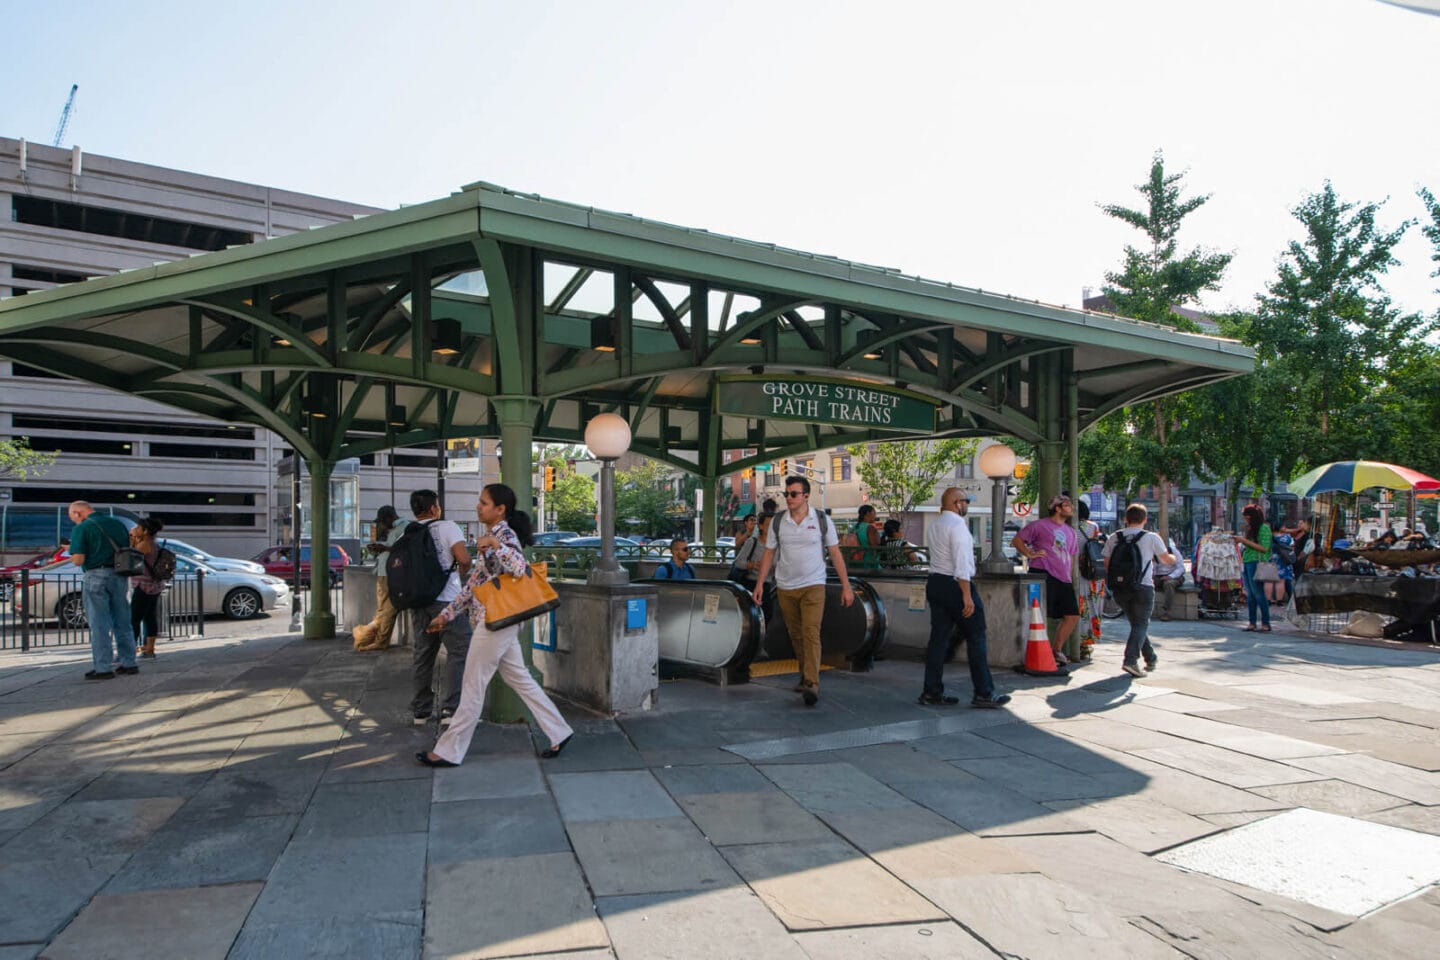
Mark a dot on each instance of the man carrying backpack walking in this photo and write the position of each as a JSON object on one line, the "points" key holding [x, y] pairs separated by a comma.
{"points": [[807, 536], [1130, 556], [424, 571]]}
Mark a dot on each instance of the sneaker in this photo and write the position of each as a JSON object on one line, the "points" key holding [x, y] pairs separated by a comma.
{"points": [[127, 671], [1133, 669], [993, 702], [99, 675], [810, 696], [147, 656], [422, 717], [1151, 664], [445, 716], [930, 700]]}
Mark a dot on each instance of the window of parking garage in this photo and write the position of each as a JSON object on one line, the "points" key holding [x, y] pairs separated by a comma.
{"points": [[188, 508], [47, 276], [82, 218], [78, 425]]}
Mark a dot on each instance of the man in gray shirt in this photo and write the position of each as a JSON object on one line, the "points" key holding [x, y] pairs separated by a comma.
{"points": [[953, 600]]}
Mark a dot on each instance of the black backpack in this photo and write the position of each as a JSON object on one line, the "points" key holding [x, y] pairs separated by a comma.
{"points": [[1092, 559], [1126, 569], [164, 566], [1285, 553], [413, 572]]}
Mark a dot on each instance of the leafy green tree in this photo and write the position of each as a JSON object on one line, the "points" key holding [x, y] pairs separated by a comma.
{"points": [[18, 461], [1328, 333], [1147, 444], [646, 494], [902, 474], [573, 501]]}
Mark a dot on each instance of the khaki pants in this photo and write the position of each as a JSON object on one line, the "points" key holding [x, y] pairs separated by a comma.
{"points": [[803, 610], [375, 635]]}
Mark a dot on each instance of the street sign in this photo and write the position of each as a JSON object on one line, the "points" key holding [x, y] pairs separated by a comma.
{"points": [[821, 400]]}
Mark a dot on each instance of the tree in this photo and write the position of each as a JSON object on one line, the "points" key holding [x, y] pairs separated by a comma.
{"points": [[901, 474], [20, 462], [573, 501], [1327, 329], [1144, 444], [646, 494]]}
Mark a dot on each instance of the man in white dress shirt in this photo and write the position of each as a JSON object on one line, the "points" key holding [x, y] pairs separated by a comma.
{"points": [[954, 601]]}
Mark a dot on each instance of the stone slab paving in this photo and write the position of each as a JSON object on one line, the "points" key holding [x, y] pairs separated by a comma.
{"points": [[255, 795]]}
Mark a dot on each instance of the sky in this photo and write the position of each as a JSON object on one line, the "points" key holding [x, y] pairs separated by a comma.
{"points": [[961, 141]]}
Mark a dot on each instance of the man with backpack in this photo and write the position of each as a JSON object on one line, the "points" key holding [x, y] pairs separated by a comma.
{"points": [[797, 544], [94, 543], [678, 567], [424, 571], [1130, 556]]}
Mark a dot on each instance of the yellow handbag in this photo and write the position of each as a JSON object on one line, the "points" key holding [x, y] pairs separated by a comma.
{"points": [[509, 599]]}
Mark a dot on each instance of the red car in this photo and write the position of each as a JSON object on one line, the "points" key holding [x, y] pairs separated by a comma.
{"points": [[277, 563], [9, 576]]}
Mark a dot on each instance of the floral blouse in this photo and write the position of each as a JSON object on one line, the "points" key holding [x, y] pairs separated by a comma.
{"points": [[509, 558]]}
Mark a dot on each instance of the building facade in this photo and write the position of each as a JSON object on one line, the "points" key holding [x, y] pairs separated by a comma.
{"points": [[72, 216]]}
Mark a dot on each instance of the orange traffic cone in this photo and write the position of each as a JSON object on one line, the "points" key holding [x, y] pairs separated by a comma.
{"points": [[1039, 659]]}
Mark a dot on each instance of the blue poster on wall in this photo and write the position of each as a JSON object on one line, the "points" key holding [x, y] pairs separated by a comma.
{"points": [[636, 613], [1032, 593]]}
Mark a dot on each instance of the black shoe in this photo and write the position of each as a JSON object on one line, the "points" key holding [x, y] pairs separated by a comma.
{"points": [[98, 675], [550, 753], [932, 700], [810, 696], [422, 717], [992, 702], [424, 757], [127, 671]]}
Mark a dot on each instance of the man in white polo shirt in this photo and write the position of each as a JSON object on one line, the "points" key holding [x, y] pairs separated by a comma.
{"points": [[802, 537], [954, 602]]}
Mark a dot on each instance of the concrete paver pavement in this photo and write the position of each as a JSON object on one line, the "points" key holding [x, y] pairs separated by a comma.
{"points": [[255, 795]]}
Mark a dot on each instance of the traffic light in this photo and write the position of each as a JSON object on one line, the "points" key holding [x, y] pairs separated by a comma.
{"points": [[748, 473], [784, 468], [549, 477]]}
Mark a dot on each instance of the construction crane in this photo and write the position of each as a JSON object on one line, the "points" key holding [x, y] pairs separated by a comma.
{"points": [[65, 115]]}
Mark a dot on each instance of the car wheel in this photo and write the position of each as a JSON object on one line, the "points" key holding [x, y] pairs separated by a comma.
{"points": [[242, 604], [71, 611]]}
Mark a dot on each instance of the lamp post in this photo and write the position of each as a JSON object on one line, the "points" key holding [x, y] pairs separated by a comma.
{"points": [[608, 437], [997, 462]]}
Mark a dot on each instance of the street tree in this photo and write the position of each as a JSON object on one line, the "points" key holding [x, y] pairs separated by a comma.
{"points": [[573, 501], [901, 474], [1329, 333], [1146, 443], [18, 461], [646, 494]]}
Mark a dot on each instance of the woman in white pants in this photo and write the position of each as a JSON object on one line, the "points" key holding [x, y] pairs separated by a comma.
{"points": [[500, 551]]}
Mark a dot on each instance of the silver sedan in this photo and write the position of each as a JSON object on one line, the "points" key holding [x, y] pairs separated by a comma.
{"points": [[55, 592]]}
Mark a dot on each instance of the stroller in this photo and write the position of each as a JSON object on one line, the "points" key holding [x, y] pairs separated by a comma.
{"points": [[1218, 575]]}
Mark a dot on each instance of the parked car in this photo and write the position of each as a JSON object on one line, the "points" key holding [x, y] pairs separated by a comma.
{"points": [[550, 538], [192, 552], [10, 576], [277, 562], [55, 592], [724, 541], [595, 542]]}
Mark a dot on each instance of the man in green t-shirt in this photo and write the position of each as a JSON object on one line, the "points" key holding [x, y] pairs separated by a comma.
{"points": [[93, 543]]}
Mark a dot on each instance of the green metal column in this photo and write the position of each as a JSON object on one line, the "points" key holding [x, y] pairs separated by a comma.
{"points": [[710, 515], [1072, 457], [1048, 387], [320, 620], [517, 433]]}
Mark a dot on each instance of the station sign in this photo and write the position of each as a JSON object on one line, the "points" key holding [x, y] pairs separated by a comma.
{"points": [[820, 400]]}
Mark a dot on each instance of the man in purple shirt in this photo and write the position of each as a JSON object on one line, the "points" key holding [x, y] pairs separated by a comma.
{"points": [[1050, 545]]}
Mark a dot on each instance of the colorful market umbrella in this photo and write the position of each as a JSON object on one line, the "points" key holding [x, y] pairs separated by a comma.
{"points": [[1352, 476]]}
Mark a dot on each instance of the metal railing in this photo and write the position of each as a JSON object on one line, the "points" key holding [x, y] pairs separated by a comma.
{"points": [[49, 610]]}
